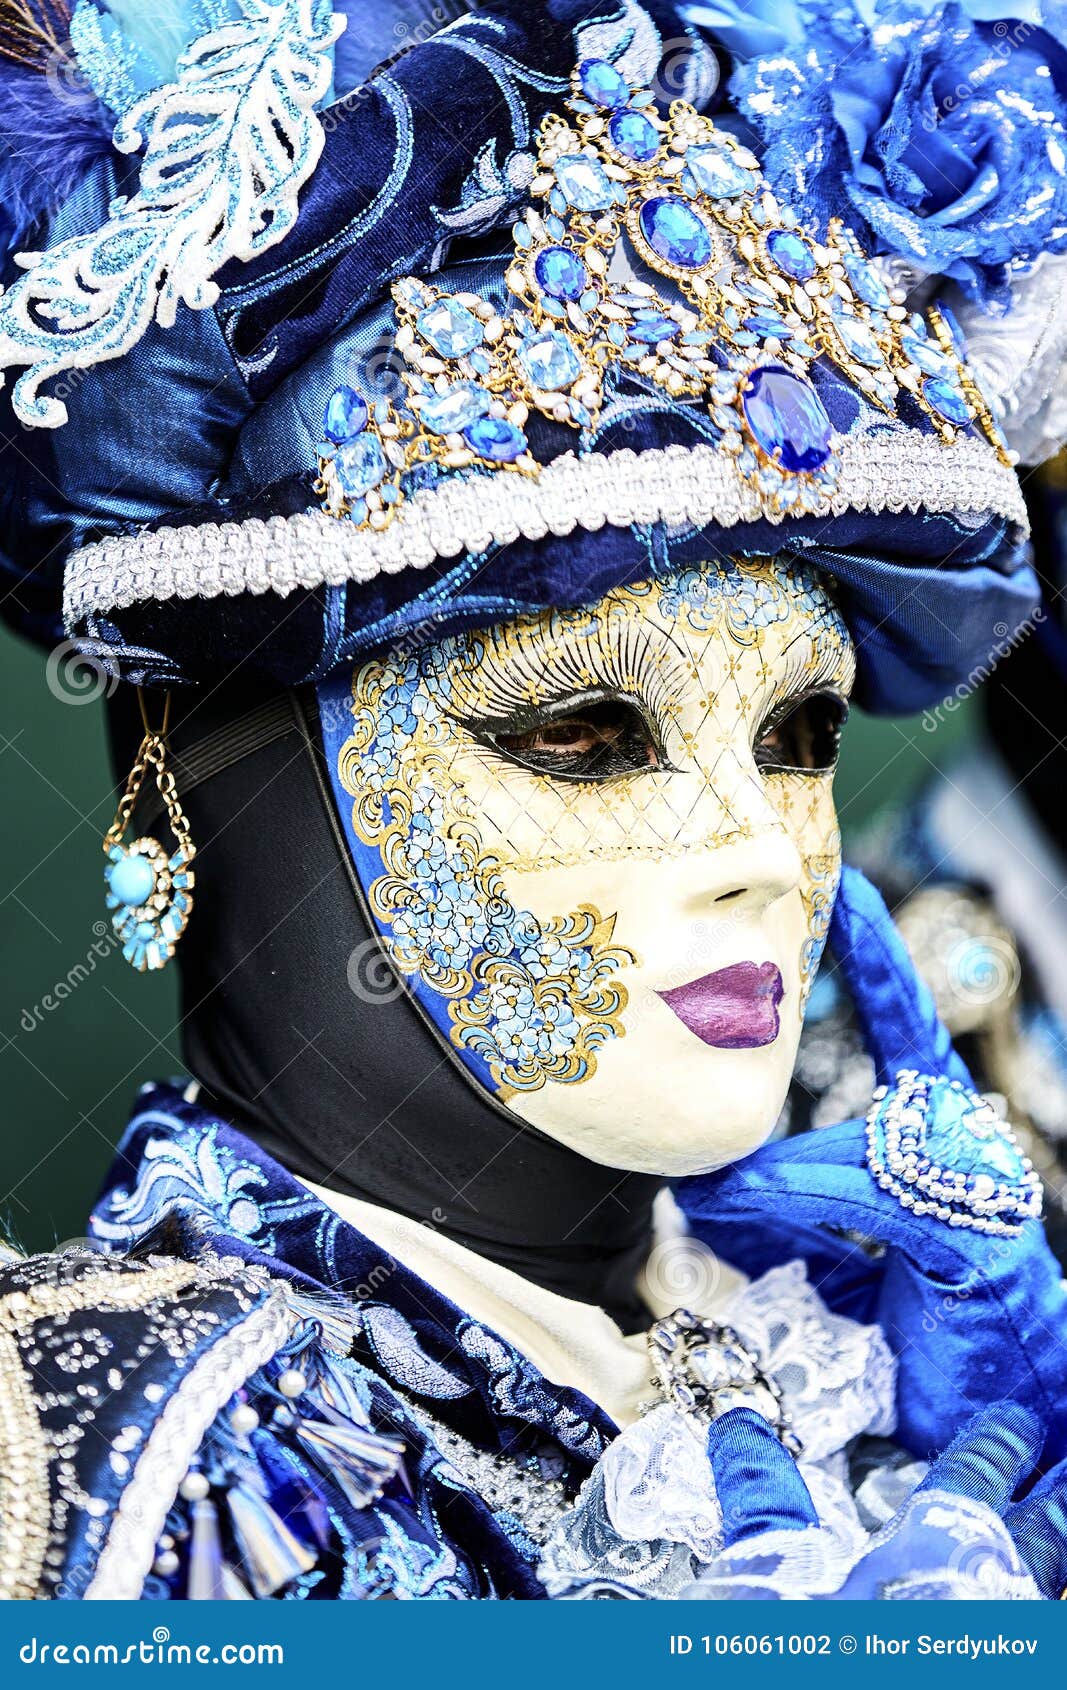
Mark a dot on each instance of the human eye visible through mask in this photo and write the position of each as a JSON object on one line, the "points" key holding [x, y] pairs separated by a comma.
{"points": [[803, 736], [596, 737]]}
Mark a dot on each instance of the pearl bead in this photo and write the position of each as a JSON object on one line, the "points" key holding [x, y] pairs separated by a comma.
{"points": [[244, 1419], [167, 1564], [194, 1487], [292, 1383]]}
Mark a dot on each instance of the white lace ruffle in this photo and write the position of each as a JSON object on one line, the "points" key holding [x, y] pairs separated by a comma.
{"points": [[648, 1523]]}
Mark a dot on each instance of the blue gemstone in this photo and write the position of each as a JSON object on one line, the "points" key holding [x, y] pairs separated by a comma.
{"points": [[550, 361], [768, 323], [651, 330], [583, 183], [787, 418], [450, 328], [131, 880], [602, 83], [866, 284], [948, 317], [495, 438], [791, 253], [451, 412], [946, 400], [716, 173], [360, 466], [675, 233], [858, 340], [928, 355], [634, 136], [346, 416], [560, 272]]}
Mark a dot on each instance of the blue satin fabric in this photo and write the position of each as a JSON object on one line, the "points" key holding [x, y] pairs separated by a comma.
{"points": [[757, 1484], [972, 1318]]}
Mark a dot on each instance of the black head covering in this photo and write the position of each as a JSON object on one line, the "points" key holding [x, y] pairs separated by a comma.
{"points": [[364, 1097]]}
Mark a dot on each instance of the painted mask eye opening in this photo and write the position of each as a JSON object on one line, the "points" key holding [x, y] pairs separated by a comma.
{"points": [[803, 736], [592, 737]]}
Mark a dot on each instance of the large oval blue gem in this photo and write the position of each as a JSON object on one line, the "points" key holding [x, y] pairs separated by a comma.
{"points": [[946, 400], [675, 233], [450, 328], [495, 438], [452, 412], [792, 254], [787, 418], [583, 182], [346, 415], [601, 83], [866, 283], [716, 173], [634, 136], [560, 273], [360, 466], [131, 879], [550, 361]]}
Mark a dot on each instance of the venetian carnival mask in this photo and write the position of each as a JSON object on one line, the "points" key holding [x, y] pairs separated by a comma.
{"points": [[601, 850]]}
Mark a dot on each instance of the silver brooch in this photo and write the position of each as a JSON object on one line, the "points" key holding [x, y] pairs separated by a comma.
{"points": [[704, 1369]]}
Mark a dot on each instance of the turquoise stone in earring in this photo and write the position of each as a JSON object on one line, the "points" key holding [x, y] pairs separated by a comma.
{"points": [[149, 892]]}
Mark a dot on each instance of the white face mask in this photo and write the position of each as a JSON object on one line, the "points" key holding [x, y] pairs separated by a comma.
{"points": [[601, 847]]}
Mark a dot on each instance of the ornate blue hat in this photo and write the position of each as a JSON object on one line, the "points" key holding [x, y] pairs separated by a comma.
{"points": [[310, 361]]}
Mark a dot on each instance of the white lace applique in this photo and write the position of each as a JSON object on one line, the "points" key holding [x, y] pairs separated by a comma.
{"points": [[228, 146], [648, 1523], [839, 1377]]}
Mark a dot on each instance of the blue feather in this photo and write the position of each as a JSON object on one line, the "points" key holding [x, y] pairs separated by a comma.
{"points": [[52, 134]]}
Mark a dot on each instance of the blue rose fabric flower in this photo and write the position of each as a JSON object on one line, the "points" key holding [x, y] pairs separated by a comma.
{"points": [[936, 132]]}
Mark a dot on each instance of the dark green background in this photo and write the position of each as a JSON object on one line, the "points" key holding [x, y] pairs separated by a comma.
{"points": [[67, 1077]]}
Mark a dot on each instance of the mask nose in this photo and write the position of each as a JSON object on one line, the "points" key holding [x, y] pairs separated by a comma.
{"points": [[748, 859], [745, 875]]}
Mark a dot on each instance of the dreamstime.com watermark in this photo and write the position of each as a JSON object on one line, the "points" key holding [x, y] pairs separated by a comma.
{"points": [[103, 944], [1007, 639], [158, 1650]]}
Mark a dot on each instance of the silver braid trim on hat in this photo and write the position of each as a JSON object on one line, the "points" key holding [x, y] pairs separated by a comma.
{"points": [[894, 470]]}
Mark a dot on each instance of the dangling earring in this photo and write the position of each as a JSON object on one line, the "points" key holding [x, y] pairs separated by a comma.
{"points": [[149, 893]]}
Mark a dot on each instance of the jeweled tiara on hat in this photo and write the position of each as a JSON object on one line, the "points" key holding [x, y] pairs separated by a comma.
{"points": [[744, 300]]}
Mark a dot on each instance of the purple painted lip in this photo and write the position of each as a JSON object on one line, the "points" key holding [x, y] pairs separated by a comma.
{"points": [[735, 1008]]}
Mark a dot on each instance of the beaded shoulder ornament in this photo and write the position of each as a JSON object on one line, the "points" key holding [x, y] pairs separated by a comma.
{"points": [[756, 298]]}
